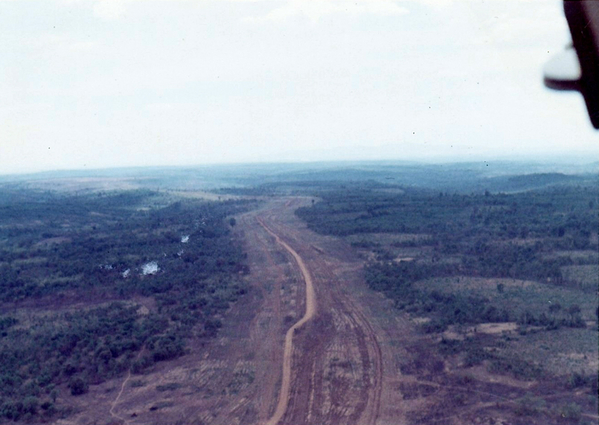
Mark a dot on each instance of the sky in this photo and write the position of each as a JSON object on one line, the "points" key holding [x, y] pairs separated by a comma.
{"points": [[90, 84]]}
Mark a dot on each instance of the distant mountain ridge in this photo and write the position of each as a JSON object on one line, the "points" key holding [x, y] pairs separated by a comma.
{"points": [[465, 177]]}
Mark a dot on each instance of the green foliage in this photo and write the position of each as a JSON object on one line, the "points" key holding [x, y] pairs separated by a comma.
{"points": [[487, 233], [571, 412], [165, 347], [78, 386], [396, 281], [137, 383], [552, 322], [458, 219], [576, 380], [168, 387], [516, 367], [95, 246], [547, 236], [481, 229], [530, 406], [475, 356]]}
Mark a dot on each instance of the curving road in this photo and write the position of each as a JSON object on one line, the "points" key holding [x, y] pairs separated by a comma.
{"points": [[333, 372], [288, 350]]}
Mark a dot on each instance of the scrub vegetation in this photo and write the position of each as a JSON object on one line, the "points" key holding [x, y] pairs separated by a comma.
{"points": [[97, 285], [500, 280]]}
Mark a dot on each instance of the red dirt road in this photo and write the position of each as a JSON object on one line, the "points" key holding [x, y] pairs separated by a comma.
{"points": [[332, 369], [288, 349]]}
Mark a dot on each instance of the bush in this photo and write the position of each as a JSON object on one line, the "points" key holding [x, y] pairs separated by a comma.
{"points": [[47, 406], [11, 410], [516, 367], [171, 386], [434, 326], [475, 356], [577, 380], [529, 406], [166, 348], [30, 405], [571, 411], [78, 386], [142, 363]]}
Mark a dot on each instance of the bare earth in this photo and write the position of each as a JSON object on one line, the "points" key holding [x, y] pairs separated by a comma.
{"points": [[309, 344], [288, 349]]}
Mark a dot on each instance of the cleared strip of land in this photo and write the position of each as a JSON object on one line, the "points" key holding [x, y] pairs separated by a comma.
{"points": [[288, 351]]}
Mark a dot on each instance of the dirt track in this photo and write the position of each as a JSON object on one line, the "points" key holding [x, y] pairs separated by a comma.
{"points": [[335, 361], [288, 350]]}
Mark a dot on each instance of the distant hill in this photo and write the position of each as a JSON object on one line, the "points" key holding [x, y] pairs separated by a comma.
{"points": [[537, 181], [465, 177]]}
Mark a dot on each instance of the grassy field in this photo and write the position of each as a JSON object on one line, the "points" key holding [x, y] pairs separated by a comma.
{"points": [[586, 277], [560, 352], [516, 296]]}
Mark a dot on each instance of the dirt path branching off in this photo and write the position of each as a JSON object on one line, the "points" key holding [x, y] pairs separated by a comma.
{"points": [[118, 399]]}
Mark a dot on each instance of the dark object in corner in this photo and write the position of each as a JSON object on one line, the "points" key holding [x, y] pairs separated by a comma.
{"points": [[578, 68]]}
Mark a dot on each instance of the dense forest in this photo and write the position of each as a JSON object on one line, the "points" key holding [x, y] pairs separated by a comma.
{"points": [[101, 251]]}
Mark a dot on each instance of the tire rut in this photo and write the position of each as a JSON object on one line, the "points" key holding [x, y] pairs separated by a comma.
{"points": [[288, 351], [367, 412]]}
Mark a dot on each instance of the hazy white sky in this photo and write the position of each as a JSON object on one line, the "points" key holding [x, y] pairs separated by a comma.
{"points": [[98, 83]]}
